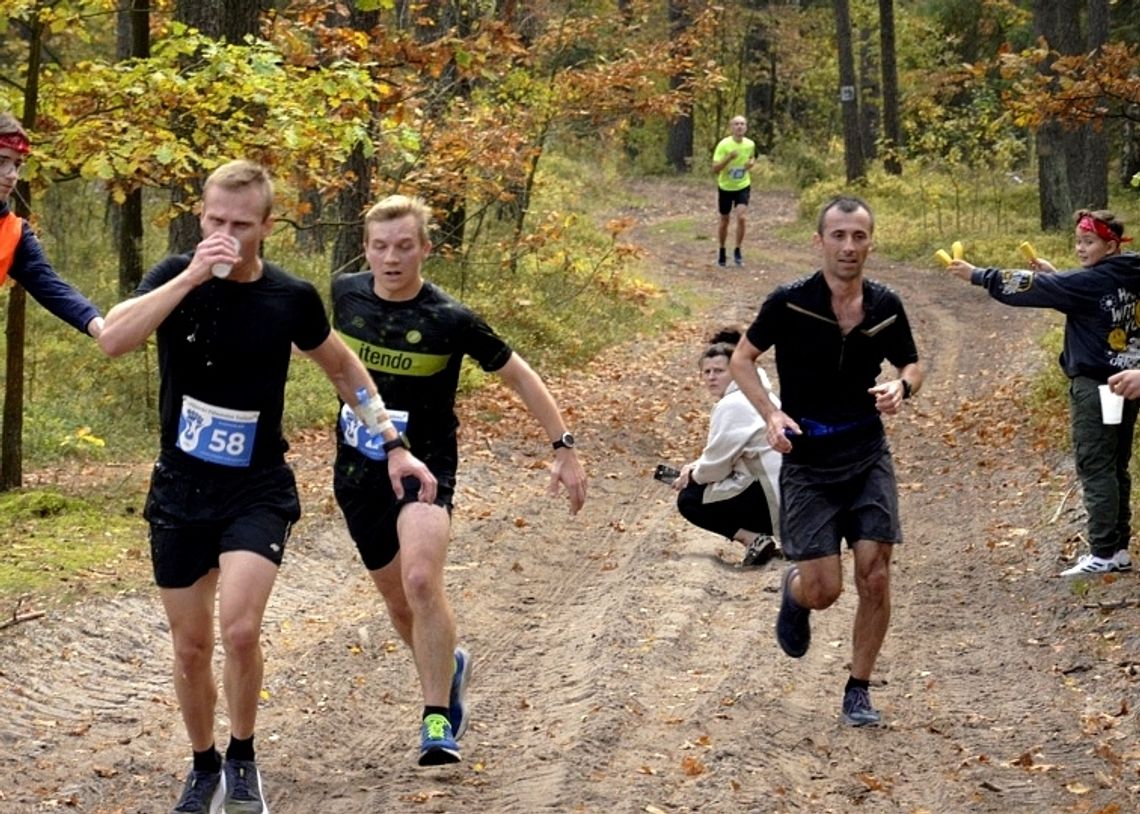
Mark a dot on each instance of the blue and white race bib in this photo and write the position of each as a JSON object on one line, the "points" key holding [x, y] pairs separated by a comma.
{"points": [[736, 173], [217, 434], [357, 436]]}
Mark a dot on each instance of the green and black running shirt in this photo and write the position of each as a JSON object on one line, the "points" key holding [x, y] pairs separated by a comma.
{"points": [[414, 349]]}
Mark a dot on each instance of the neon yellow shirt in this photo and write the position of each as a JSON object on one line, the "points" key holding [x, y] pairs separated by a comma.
{"points": [[735, 175]]}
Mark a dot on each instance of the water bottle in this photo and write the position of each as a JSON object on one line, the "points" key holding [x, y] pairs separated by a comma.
{"points": [[365, 411]]}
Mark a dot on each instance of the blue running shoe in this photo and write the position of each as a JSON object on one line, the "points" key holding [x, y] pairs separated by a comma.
{"points": [[243, 788], [457, 705], [857, 709], [437, 746], [721, 258], [793, 627], [737, 257], [201, 793]]}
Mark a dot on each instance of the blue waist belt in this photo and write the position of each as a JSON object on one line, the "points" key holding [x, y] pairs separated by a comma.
{"points": [[817, 429]]}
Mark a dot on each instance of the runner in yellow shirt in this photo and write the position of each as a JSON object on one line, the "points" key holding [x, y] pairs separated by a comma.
{"points": [[732, 159]]}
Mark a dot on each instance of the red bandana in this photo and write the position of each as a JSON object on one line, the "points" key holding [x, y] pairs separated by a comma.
{"points": [[1101, 229], [14, 141]]}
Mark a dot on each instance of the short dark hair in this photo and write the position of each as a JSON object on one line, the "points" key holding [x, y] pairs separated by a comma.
{"points": [[722, 343], [844, 203]]}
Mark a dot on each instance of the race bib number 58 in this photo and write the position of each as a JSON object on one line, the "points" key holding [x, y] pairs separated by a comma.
{"points": [[216, 434]]}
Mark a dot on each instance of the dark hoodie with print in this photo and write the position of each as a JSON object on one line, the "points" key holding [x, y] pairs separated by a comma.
{"points": [[1102, 327]]}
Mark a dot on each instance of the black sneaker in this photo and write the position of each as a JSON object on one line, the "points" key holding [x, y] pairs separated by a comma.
{"points": [[243, 788], [737, 257], [793, 628], [759, 552], [201, 794], [857, 709], [722, 258]]}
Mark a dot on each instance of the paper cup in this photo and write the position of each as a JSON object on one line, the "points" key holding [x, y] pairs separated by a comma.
{"points": [[223, 269], [1111, 405]]}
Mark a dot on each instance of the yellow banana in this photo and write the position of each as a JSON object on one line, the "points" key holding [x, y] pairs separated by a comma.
{"points": [[1026, 248], [958, 250], [944, 257]]}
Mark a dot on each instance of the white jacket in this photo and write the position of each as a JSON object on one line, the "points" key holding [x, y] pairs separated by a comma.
{"points": [[738, 452]]}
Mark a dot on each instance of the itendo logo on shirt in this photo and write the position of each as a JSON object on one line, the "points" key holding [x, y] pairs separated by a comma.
{"points": [[387, 360]]}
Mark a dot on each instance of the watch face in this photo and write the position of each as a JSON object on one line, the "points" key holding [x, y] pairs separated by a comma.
{"points": [[565, 441]]}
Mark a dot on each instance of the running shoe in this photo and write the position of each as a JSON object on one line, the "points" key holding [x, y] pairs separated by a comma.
{"points": [[1092, 564], [722, 258], [737, 257], [201, 794], [759, 552], [457, 705], [243, 788], [793, 627], [857, 709], [437, 746]]}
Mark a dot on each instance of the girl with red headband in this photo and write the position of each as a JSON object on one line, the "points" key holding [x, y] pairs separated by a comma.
{"points": [[21, 256], [1102, 338]]}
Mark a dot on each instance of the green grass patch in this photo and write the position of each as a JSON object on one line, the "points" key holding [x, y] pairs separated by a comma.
{"points": [[60, 545]]}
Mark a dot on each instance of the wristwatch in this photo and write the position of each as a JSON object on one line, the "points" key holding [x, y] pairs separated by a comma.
{"points": [[565, 441], [399, 442], [907, 390]]}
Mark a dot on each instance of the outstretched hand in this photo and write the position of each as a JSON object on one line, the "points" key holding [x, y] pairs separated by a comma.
{"points": [[568, 472], [1126, 383], [960, 269]]}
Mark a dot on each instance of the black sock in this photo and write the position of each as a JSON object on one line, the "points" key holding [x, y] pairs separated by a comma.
{"points": [[240, 749], [208, 760], [444, 711], [853, 682]]}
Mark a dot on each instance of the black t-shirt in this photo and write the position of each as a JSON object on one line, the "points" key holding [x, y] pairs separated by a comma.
{"points": [[223, 356], [414, 350], [825, 375]]}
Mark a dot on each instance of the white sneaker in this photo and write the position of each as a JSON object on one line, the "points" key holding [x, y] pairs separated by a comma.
{"points": [[1092, 564]]}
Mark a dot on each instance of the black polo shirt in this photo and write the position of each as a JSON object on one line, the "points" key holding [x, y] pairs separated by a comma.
{"points": [[825, 375]]}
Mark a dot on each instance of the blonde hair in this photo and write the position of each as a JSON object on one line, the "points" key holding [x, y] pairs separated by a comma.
{"points": [[397, 206], [239, 174]]}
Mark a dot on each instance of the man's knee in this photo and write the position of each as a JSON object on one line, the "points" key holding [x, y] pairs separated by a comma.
{"points": [[873, 575], [241, 635], [819, 590]]}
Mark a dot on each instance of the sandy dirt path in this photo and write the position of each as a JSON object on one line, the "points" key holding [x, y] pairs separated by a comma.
{"points": [[623, 661]]}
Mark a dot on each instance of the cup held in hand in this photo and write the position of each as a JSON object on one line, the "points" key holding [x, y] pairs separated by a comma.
{"points": [[1111, 405], [223, 270]]}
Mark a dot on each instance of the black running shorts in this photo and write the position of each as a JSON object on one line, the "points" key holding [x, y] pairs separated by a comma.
{"points": [[727, 199], [195, 518], [817, 513], [364, 494]]}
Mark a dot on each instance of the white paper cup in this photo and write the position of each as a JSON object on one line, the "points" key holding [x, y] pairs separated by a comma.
{"points": [[223, 269], [1111, 405]]}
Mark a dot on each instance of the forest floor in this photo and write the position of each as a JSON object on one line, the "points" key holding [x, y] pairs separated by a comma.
{"points": [[623, 661]]}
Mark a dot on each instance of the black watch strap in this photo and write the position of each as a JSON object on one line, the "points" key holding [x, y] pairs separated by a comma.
{"points": [[399, 442], [907, 390]]}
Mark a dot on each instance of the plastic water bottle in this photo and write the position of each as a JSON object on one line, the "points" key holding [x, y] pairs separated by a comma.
{"points": [[365, 412]]}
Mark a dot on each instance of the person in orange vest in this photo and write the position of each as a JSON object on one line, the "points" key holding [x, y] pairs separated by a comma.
{"points": [[21, 256]]}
